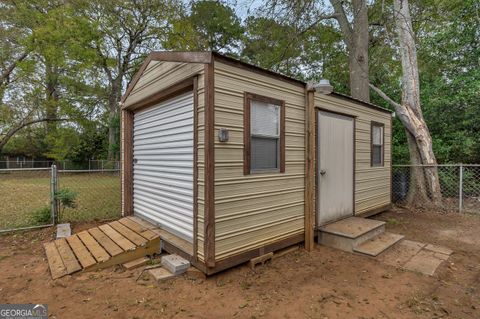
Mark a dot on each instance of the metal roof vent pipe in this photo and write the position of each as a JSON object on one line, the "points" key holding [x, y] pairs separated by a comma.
{"points": [[323, 87]]}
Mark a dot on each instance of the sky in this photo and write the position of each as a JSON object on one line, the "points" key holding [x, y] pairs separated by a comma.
{"points": [[242, 7]]}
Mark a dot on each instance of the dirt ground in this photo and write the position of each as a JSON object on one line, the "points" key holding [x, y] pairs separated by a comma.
{"points": [[323, 284]]}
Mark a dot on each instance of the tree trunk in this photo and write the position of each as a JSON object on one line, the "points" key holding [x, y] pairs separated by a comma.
{"points": [[355, 35], [411, 99], [51, 106], [358, 57], [113, 117], [417, 192]]}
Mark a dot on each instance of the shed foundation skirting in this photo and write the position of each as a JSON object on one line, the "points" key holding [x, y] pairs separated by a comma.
{"points": [[229, 262]]}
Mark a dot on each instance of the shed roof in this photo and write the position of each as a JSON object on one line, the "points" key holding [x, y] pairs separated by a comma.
{"points": [[208, 56]]}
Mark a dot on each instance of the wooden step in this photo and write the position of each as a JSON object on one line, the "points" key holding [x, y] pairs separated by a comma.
{"points": [[378, 244]]}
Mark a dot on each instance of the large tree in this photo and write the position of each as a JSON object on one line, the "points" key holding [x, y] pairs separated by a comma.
{"points": [[425, 181], [355, 34], [40, 39], [205, 25], [127, 31]]}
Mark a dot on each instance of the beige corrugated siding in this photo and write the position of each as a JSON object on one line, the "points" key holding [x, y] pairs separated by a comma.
{"points": [[372, 184], [159, 75], [255, 210]]}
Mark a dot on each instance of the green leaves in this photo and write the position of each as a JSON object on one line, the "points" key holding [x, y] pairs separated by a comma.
{"points": [[210, 25]]}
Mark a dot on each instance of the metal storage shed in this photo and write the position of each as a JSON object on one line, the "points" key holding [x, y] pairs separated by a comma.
{"points": [[224, 156]]}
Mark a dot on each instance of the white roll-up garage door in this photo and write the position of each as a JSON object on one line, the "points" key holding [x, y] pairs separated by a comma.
{"points": [[163, 165]]}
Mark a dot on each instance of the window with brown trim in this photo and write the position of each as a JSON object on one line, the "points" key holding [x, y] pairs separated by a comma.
{"points": [[264, 138], [377, 143]]}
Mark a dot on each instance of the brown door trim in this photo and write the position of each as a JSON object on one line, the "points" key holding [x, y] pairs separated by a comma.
{"points": [[310, 171], [209, 208], [163, 95], [195, 168], [127, 164]]}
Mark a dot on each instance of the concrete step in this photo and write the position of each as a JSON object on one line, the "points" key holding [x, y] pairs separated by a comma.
{"points": [[349, 233], [378, 244]]}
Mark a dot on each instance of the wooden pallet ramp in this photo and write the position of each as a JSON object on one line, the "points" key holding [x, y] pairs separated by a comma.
{"points": [[100, 247]]}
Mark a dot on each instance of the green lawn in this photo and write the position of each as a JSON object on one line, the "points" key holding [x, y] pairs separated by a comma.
{"points": [[21, 195]]}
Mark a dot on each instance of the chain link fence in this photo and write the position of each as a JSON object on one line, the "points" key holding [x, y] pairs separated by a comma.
{"points": [[85, 165], [460, 185], [25, 198], [39, 197]]}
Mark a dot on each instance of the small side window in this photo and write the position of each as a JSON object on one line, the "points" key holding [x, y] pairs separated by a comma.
{"points": [[377, 144], [264, 136]]}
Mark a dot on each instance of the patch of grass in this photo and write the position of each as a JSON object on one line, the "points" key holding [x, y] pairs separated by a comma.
{"points": [[21, 195], [393, 221], [245, 285], [42, 216]]}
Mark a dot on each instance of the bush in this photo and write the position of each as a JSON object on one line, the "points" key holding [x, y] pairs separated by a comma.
{"points": [[65, 199], [42, 215]]}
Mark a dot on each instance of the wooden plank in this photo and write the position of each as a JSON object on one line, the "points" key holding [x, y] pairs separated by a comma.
{"points": [[136, 263], [195, 167], [68, 257], [128, 233], [82, 253], [142, 222], [152, 247], [209, 165], [117, 238], [310, 140], [57, 268], [176, 241], [105, 241], [127, 167], [95, 249], [139, 229], [285, 251]]}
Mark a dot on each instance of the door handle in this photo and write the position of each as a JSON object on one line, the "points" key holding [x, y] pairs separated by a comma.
{"points": [[323, 172]]}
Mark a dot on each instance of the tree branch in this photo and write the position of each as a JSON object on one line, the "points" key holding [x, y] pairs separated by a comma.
{"points": [[384, 96], [405, 114], [343, 22], [6, 73], [12, 131], [321, 18]]}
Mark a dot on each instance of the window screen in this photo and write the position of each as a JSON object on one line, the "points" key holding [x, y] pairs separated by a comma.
{"points": [[377, 144], [264, 136]]}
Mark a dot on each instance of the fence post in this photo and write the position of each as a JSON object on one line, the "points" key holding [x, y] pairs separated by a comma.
{"points": [[53, 188], [460, 190]]}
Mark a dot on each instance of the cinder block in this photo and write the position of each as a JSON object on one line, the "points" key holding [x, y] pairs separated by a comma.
{"points": [[175, 264], [260, 259], [63, 230], [160, 274]]}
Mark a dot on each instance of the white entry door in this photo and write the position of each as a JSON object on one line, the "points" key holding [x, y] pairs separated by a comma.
{"points": [[334, 167], [163, 165]]}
